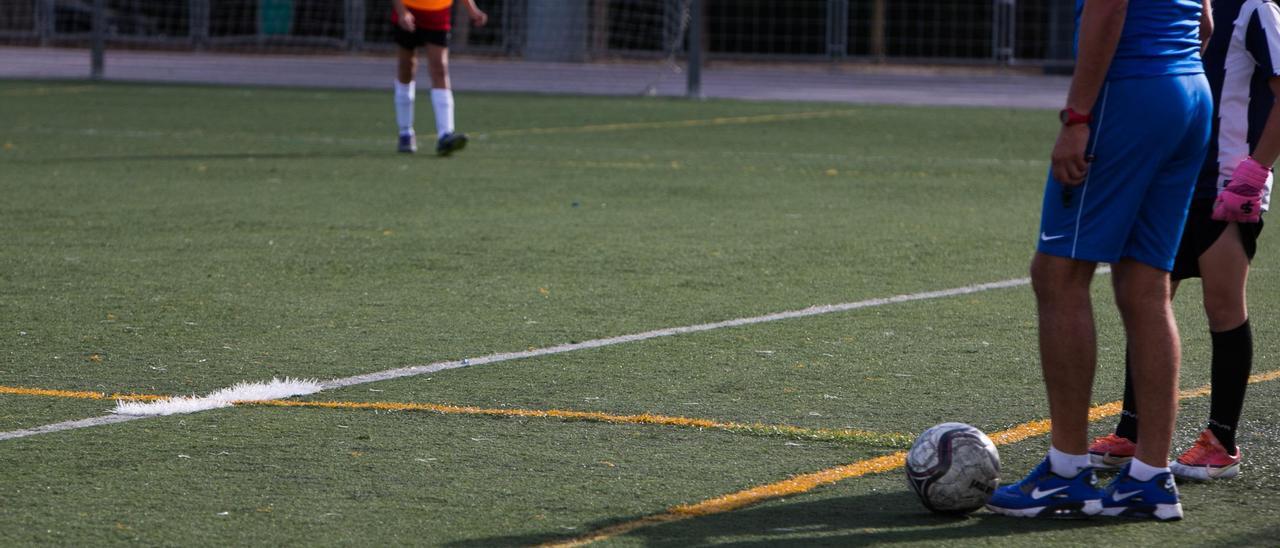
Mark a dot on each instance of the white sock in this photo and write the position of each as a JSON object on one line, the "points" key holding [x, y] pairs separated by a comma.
{"points": [[405, 94], [1142, 471], [442, 102], [1066, 464]]}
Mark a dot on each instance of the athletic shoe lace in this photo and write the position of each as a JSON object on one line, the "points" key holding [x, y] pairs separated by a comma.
{"points": [[1111, 441], [1205, 448]]}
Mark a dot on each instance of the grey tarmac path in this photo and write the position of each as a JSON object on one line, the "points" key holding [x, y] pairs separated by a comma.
{"points": [[840, 83]]}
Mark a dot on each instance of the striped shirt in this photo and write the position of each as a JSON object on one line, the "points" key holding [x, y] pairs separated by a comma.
{"points": [[1242, 57]]}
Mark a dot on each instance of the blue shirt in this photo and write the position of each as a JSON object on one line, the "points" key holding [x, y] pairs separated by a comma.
{"points": [[1160, 38]]}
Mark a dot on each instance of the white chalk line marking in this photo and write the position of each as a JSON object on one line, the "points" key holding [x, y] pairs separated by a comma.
{"points": [[668, 332], [564, 348], [69, 425]]}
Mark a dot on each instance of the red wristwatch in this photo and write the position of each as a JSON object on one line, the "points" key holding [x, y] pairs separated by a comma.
{"points": [[1070, 117]]}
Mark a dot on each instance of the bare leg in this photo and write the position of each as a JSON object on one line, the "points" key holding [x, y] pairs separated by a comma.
{"points": [[1225, 270], [438, 66], [406, 65], [1068, 345], [1142, 294]]}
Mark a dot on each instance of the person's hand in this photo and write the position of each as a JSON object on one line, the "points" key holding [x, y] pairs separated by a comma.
{"points": [[479, 18], [1069, 163], [1241, 199], [407, 21]]}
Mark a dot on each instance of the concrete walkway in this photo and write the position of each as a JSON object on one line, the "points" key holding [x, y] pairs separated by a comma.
{"points": [[781, 82]]}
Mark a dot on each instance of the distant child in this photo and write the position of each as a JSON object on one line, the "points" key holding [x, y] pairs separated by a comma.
{"points": [[426, 23]]}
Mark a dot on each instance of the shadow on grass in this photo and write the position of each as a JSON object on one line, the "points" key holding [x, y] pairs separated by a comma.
{"points": [[852, 521], [1269, 536]]}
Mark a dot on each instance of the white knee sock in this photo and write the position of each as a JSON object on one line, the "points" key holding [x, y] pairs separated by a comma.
{"points": [[442, 102], [404, 106]]}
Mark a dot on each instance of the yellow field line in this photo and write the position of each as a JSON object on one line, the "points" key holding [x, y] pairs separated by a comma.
{"points": [[881, 439], [818, 434], [807, 482], [77, 394], [673, 124]]}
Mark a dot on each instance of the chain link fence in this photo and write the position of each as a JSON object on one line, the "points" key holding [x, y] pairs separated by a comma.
{"points": [[1035, 33]]}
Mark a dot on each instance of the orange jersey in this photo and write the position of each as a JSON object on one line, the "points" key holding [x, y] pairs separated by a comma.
{"points": [[429, 14], [428, 5]]}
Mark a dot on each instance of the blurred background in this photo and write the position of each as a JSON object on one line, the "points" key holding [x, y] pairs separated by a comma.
{"points": [[656, 47]]}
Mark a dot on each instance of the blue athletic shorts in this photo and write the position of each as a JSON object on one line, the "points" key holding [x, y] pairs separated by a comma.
{"points": [[1147, 141]]}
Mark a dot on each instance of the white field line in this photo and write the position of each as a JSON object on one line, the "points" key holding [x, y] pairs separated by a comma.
{"points": [[564, 348], [69, 425], [668, 332]]}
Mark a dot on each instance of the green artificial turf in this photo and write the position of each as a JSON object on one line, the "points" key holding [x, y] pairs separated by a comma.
{"points": [[274, 477], [180, 239], [22, 412], [195, 237]]}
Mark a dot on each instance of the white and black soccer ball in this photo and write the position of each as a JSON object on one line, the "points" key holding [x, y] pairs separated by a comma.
{"points": [[954, 468]]}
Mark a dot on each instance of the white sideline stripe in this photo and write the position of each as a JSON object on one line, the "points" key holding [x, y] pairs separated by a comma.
{"points": [[561, 349], [668, 332], [69, 425]]}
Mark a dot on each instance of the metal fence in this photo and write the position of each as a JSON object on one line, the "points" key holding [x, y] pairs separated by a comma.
{"points": [[987, 32]]}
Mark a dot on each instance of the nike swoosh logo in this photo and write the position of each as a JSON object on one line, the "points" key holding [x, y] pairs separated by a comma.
{"points": [[1047, 238], [1038, 494], [1121, 496]]}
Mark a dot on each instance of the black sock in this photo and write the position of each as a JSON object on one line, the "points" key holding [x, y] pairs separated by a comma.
{"points": [[1128, 427], [1232, 362]]}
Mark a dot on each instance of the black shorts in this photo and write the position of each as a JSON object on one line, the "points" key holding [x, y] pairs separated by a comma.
{"points": [[419, 37], [1201, 232]]}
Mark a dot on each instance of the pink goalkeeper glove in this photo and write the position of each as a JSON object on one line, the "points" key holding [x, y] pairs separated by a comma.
{"points": [[1241, 200]]}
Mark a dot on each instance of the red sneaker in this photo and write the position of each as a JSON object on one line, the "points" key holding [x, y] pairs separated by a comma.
{"points": [[1207, 460], [1110, 452]]}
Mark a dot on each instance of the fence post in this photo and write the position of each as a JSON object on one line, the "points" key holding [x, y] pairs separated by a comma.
{"points": [[1060, 35], [198, 20], [600, 29], [1003, 14], [513, 14], [837, 29], [1013, 32], [45, 23], [696, 24], [353, 24], [878, 22], [460, 37], [98, 42]]}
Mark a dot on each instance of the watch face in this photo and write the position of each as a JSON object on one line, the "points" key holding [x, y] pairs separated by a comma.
{"points": [[1064, 116]]}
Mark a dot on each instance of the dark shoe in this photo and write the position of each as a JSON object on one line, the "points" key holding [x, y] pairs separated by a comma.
{"points": [[408, 143], [450, 143]]}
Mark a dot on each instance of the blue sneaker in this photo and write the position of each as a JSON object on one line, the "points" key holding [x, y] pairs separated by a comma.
{"points": [[1044, 494], [1155, 499], [408, 143]]}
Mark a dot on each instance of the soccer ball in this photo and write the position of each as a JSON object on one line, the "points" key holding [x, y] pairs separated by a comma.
{"points": [[954, 468]]}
